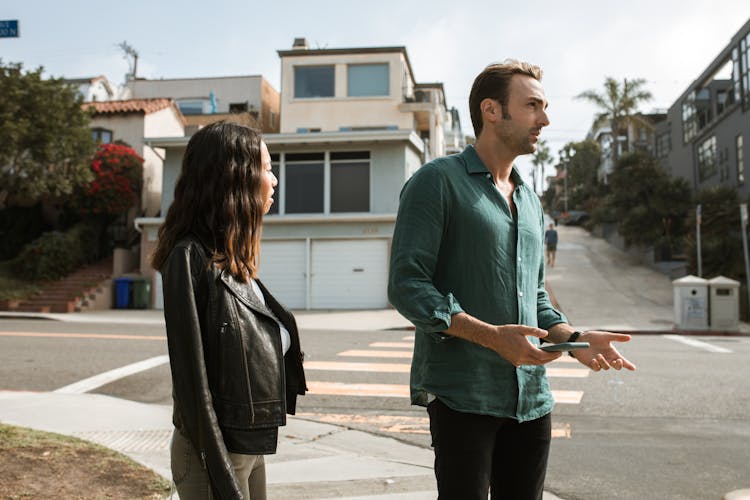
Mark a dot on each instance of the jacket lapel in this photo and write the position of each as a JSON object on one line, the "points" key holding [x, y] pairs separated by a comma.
{"points": [[245, 295]]}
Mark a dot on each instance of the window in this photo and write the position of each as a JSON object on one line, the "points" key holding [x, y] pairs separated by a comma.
{"points": [[707, 159], [304, 183], [350, 182], [745, 70], [367, 80], [321, 182], [278, 189], [689, 120], [737, 88], [194, 106], [663, 145], [313, 81], [101, 135], [740, 160], [238, 107]]}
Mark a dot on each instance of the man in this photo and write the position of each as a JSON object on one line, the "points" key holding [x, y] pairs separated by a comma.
{"points": [[550, 239], [467, 269]]}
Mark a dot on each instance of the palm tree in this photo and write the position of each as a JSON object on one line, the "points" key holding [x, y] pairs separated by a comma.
{"points": [[540, 159], [617, 104]]}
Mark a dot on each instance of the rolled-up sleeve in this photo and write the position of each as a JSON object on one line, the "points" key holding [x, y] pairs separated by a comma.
{"points": [[424, 207]]}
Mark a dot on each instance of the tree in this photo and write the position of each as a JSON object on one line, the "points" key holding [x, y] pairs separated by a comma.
{"points": [[46, 143], [540, 159], [650, 206], [617, 103], [721, 234]]}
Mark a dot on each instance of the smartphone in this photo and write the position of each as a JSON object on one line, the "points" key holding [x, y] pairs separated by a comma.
{"points": [[565, 346]]}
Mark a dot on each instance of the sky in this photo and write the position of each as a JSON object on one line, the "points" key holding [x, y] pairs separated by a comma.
{"points": [[578, 43]]}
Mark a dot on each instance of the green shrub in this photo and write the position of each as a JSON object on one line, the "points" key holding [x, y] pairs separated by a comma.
{"points": [[56, 254], [19, 226]]}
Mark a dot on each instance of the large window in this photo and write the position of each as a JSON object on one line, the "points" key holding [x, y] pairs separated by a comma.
{"points": [[194, 106], [689, 118], [367, 80], [321, 183], [745, 70], [304, 183], [313, 81], [740, 160], [707, 166], [663, 144], [350, 182]]}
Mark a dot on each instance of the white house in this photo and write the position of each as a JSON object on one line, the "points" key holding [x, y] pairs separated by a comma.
{"points": [[94, 88], [354, 127]]}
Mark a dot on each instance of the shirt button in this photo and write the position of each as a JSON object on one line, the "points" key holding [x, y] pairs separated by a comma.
{"points": [[520, 294], [519, 259]]}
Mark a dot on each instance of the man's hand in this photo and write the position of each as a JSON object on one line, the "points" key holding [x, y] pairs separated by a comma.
{"points": [[511, 343], [602, 354]]}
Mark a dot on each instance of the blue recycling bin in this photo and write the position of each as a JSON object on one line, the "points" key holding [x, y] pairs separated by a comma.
{"points": [[122, 292]]}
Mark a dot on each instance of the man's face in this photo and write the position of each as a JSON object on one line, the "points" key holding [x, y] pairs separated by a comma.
{"points": [[525, 116]]}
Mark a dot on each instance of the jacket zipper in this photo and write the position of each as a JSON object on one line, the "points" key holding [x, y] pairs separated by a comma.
{"points": [[247, 377]]}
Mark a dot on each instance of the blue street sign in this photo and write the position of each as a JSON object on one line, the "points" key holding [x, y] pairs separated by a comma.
{"points": [[9, 29]]}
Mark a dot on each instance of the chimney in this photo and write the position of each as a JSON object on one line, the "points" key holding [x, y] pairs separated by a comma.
{"points": [[300, 44]]}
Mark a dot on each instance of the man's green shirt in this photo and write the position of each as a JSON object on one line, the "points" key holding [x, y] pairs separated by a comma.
{"points": [[457, 247]]}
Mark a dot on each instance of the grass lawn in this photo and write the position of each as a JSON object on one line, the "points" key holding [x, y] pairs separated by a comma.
{"points": [[12, 287]]}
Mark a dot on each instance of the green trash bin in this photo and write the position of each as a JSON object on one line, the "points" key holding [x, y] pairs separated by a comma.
{"points": [[141, 293]]}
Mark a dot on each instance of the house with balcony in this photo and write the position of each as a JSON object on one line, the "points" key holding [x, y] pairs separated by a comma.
{"points": [[250, 100], [639, 135], [704, 137], [355, 125]]}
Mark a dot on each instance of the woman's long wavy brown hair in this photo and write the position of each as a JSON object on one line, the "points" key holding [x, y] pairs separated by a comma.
{"points": [[217, 198]]}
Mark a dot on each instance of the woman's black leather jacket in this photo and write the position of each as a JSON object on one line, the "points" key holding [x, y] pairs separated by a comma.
{"points": [[232, 386]]}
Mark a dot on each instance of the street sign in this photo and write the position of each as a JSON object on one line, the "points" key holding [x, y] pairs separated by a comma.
{"points": [[9, 29]]}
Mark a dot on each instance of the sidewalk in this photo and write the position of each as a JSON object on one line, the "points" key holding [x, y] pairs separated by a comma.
{"points": [[596, 285]]}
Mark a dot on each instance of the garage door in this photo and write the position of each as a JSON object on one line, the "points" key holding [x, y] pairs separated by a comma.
{"points": [[283, 268], [349, 274]]}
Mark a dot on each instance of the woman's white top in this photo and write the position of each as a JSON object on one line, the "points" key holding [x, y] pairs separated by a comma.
{"points": [[286, 339]]}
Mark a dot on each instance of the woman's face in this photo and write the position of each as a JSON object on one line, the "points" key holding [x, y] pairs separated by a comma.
{"points": [[268, 180]]}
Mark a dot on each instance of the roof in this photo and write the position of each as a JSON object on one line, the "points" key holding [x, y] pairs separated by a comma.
{"points": [[145, 106]]}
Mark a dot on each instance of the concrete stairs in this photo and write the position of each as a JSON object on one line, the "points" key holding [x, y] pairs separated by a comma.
{"points": [[87, 288]]}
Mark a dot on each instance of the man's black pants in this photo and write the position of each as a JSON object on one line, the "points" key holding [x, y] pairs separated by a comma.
{"points": [[476, 453]]}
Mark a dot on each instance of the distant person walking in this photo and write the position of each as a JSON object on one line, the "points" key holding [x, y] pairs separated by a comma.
{"points": [[234, 349], [467, 268], [550, 242]]}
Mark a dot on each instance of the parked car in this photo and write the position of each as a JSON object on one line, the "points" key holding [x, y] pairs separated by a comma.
{"points": [[574, 217]]}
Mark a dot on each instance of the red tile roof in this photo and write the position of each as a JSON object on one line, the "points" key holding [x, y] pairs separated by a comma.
{"points": [[145, 106]]}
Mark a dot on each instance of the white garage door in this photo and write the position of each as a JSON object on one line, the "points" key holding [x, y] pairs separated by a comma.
{"points": [[283, 268], [349, 274]]}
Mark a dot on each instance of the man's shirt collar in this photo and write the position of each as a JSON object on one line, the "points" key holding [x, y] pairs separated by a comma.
{"points": [[475, 165]]}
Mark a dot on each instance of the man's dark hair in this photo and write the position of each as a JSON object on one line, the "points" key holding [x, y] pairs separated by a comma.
{"points": [[493, 83]]}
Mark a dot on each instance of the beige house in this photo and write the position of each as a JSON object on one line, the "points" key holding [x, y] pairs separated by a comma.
{"points": [[247, 99]]}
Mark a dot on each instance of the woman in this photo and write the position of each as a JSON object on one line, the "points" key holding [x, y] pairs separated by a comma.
{"points": [[233, 349]]}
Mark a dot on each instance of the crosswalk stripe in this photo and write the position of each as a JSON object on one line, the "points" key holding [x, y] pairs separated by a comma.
{"points": [[408, 345], [402, 391], [358, 367], [376, 354], [697, 343], [345, 366]]}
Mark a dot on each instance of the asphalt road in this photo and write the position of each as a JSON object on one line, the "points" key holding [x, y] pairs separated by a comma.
{"points": [[678, 428]]}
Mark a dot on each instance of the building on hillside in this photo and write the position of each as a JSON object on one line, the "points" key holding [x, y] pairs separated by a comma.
{"points": [[245, 99], [94, 88], [640, 136], [354, 127], [705, 136]]}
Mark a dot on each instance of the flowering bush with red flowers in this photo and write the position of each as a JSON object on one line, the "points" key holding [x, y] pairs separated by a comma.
{"points": [[118, 173]]}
